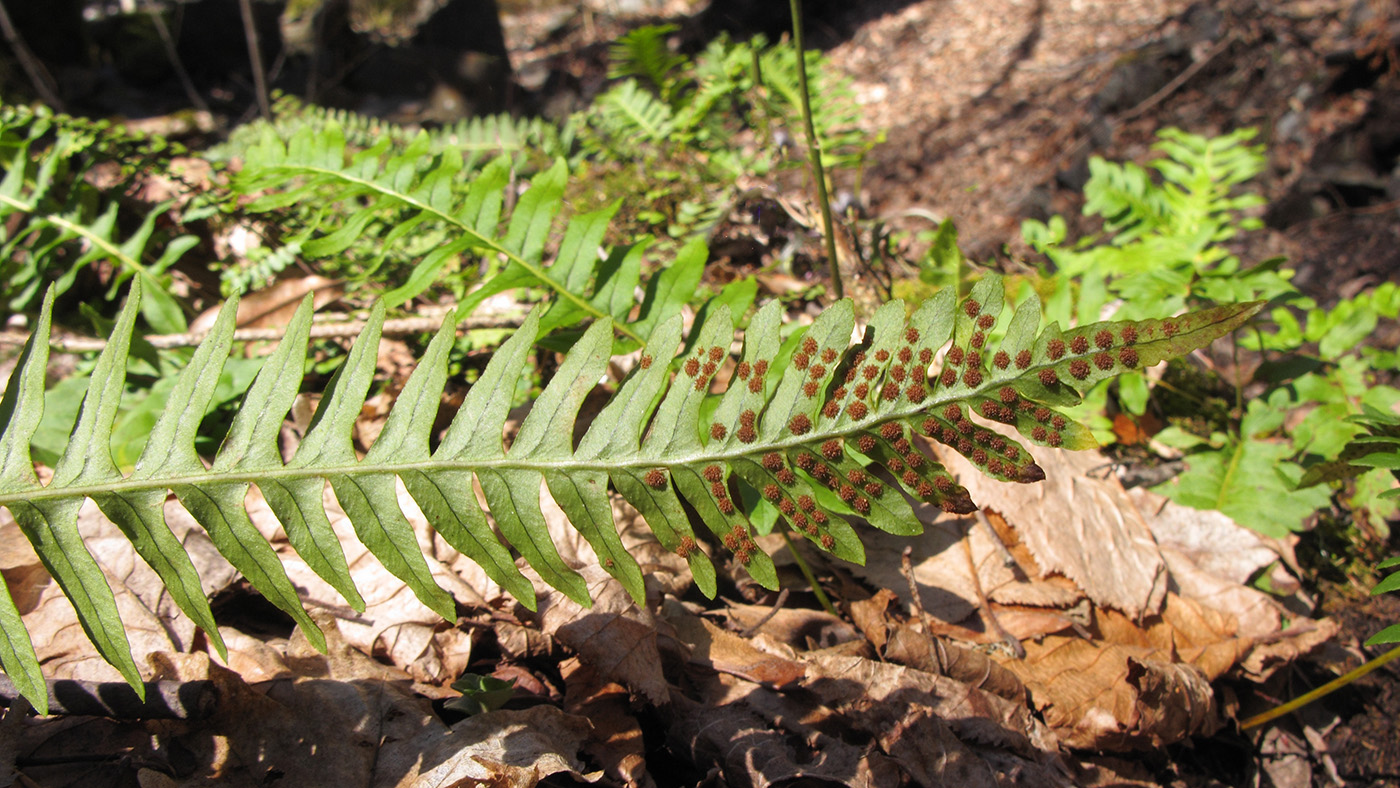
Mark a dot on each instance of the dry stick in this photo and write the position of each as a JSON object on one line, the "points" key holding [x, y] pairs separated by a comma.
{"points": [[168, 41], [250, 33], [398, 327], [1178, 81], [33, 67], [1007, 560], [814, 151], [997, 628], [916, 603], [778, 603]]}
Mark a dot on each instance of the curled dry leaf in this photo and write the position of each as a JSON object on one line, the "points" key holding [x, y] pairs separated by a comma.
{"points": [[614, 636], [509, 749], [1074, 518], [749, 750], [616, 743], [725, 652], [1134, 686]]}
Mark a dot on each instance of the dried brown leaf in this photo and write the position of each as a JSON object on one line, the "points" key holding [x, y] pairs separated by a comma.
{"points": [[1106, 696], [614, 636], [975, 716], [617, 743], [725, 652], [799, 627], [1074, 519], [749, 750], [503, 749]]}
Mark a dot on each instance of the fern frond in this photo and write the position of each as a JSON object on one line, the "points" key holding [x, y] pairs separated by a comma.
{"points": [[54, 224], [479, 138], [828, 439], [643, 53], [410, 191], [627, 114]]}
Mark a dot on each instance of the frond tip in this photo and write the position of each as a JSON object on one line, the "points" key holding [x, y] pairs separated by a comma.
{"points": [[823, 431]]}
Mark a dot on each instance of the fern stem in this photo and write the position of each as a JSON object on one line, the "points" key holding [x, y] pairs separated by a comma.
{"points": [[1324, 690], [539, 271], [814, 151], [807, 573], [83, 231]]}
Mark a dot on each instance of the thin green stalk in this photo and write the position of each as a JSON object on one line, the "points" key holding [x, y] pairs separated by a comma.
{"points": [[814, 150], [807, 573], [1325, 689]]}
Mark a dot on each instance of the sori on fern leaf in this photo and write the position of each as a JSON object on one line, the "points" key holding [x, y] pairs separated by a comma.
{"points": [[828, 436]]}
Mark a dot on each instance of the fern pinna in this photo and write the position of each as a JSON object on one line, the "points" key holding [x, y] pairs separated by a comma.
{"points": [[827, 435]]}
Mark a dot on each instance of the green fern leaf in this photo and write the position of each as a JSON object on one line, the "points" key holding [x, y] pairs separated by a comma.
{"points": [[828, 440], [401, 190]]}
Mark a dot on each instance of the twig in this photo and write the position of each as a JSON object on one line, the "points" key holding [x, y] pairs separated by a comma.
{"points": [[937, 655], [1178, 81], [42, 80], [997, 628], [1007, 559], [250, 33], [168, 41], [814, 151], [165, 700], [397, 327], [777, 605]]}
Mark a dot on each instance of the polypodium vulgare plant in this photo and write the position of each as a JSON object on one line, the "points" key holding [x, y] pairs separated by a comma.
{"points": [[828, 436]]}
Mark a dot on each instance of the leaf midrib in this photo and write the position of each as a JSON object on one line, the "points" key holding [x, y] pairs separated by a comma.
{"points": [[605, 464]]}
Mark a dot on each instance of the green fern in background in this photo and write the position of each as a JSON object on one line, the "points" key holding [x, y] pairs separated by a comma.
{"points": [[1165, 248], [54, 223], [391, 196], [680, 117]]}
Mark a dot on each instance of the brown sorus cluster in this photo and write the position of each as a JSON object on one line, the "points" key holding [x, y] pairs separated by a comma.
{"points": [[831, 449]]}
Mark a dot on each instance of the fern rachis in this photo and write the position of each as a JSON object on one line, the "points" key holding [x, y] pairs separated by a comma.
{"points": [[826, 439]]}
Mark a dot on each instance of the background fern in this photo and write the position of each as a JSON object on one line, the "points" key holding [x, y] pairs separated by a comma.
{"points": [[54, 222], [389, 196], [828, 441]]}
